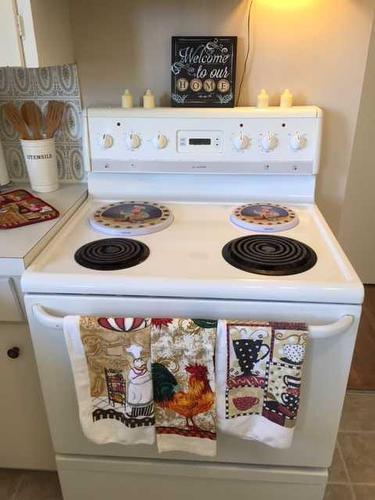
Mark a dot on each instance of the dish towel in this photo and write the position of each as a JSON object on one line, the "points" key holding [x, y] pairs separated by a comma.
{"points": [[110, 359], [258, 376], [182, 352]]}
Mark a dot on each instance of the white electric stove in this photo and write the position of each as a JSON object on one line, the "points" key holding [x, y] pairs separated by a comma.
{"points": [[199, 213]]}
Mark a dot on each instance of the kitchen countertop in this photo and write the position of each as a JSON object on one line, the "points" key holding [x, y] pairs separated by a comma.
{"points": [[18, 247]]}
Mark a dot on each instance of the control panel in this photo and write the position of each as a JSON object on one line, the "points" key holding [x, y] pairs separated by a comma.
{"points": [[238, 140]]}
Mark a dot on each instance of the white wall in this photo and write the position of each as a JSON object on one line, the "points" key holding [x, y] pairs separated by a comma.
{"points": [[357, 227], [315, 47]]}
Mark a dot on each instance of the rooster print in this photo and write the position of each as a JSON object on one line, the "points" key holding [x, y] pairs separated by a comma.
{"points": [[182, 368], [198, 399]]}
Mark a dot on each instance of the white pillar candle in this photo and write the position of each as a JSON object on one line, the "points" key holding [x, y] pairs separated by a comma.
{"points": [[262, 99], [148, 99], [286, 99], [127, 99]]}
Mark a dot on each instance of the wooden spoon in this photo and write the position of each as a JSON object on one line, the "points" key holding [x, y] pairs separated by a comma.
{"points": [[14, 117], [55, 111], [33, 117]]}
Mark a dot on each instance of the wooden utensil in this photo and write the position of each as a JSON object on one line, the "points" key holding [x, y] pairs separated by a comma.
{"points": [[55, 111], [33, 117], [14, 117]]}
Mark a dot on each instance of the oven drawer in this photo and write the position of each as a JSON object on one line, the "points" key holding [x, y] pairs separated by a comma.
{"points": [[105, 478], [323, 389]]}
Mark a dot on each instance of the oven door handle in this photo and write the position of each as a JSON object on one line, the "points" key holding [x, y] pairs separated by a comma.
{"points": [[331, 329], [316, 331], [47, 319]]}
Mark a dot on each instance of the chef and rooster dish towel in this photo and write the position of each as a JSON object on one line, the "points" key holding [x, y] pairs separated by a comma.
{"points": [[258, 377], [113, 370], [138, 379]]}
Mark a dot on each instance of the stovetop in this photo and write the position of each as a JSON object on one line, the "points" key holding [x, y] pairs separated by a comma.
{"points": [[258, 254], [186, 260]]}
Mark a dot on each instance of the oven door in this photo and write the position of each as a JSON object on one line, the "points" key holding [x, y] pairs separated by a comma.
{"points": [[327, 365]]}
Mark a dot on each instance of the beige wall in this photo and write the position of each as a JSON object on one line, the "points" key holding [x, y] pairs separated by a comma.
{"points": [[315, 47], [357, 227]]}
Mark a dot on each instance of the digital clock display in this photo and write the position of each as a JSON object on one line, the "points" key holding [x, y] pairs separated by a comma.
{"points": [[199, 141]]}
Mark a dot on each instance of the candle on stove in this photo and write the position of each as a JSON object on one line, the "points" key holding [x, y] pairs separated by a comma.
{"points": [[262, 99], [148, 99], [127, 99], [286, 99]]}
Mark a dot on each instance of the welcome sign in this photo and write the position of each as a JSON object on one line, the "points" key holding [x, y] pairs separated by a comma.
{"points": [[203, 71]]}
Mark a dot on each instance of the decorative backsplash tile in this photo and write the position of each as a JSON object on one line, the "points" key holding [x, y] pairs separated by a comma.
{"points": [[41, 85]]}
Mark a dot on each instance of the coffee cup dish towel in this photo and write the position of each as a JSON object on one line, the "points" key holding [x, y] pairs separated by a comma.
{"points": [[182, 352], [258, 379], [110, 359]]}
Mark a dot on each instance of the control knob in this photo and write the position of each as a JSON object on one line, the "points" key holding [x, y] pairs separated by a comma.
{"points": [[269, 141], [133, 141], [159, 141], [105, 141], [297, 141], [241, 142]]}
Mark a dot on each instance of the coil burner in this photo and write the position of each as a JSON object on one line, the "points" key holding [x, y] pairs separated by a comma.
{"points": [[270, 255], [110, 254]]}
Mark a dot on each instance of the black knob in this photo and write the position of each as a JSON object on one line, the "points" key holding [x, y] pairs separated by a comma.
{"points": [[13, 352]]}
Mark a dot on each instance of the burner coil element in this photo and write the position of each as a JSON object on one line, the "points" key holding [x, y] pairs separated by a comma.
{"points": [[110, 254], [270, 255]]}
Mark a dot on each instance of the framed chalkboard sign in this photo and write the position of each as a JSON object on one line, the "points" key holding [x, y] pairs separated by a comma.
{"points": [[203, 71]]}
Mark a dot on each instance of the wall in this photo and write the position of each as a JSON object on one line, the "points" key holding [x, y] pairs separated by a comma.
{"points": [[315, 47], [322, 50], [357, 233], [42, 85]]}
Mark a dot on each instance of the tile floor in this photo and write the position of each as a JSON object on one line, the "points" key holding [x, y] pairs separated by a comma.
{"points": [[362, 373], [352, 475]]}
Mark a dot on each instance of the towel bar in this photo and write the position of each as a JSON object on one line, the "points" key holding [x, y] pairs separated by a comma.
{"points": [[316, 331]]}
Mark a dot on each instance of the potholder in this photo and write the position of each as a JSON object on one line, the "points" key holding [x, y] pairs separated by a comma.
{"points": [[21, 208]]}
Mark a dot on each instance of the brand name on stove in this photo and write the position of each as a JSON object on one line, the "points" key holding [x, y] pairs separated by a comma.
{"points": [[46, 156]]}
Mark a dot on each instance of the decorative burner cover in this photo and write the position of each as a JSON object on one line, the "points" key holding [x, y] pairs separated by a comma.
{"points": [[131, 218], [110, 254], [269, 254], [264, 217]]}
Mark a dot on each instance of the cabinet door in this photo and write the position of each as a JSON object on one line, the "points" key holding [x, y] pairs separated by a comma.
{"points": [[11, 53], [10, 308], [24, 435], [46, 32]]}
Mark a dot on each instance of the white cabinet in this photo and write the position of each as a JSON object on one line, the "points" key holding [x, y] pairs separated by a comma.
{"points": [[24, 435], [10, 41], [10, 309], [35, 33]]}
